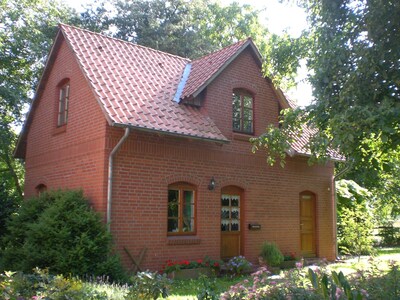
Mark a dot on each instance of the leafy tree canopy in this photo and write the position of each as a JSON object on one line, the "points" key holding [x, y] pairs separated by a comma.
{"points": [[354, 53], [27, 28], [195, 28]]}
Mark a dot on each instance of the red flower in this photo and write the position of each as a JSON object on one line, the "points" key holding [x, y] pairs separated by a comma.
{"points": [[216, 264], [199, 261]]}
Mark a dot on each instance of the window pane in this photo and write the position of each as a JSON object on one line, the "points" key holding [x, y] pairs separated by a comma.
{"points": [[236, 102], [236, 124], [236, 108], [173, 225], [173, 203], [188, 211], [248, 126], [248, 101]]}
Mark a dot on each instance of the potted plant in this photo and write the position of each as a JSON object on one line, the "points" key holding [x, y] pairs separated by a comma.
{"points": [[271, 256]]}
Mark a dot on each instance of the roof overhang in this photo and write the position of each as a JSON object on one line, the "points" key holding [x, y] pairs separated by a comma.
{"points": [[169, 133]]}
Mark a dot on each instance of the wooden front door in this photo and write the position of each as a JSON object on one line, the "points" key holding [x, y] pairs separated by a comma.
{"points": [[307, 224], [231, 219]]}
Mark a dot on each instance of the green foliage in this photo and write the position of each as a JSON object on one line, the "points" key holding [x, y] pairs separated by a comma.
{"points": [[60, 231], [334, 287], [355, 227], [271, 254], [276, 141], [382, 285], [148, 285], [355, 220], [26, 33], [42, 285], [207, 289], [390, 236], [196, 28]]}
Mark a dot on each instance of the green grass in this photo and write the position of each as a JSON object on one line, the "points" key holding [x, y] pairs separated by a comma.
{"points": [[383, 251], [190, 287]]}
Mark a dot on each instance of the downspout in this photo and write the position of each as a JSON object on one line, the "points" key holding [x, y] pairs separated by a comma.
{"points": [[110, 176], [346, 169]]}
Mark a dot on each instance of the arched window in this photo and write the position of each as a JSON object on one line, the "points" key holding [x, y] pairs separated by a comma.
{"points": [[242, 107], [40, 188], [62, 117], [181, 209]]}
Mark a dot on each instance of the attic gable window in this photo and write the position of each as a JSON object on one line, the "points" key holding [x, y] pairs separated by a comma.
{"points": [[242, 107], [63, 104]]}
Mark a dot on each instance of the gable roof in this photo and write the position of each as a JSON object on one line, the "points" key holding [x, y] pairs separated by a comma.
{"points": [[205, 69], [135, 85]]}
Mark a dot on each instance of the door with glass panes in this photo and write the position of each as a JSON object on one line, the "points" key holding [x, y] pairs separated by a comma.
{"points": [[231, 222]]}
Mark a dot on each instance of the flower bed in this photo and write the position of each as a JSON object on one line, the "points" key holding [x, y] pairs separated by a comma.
{"points": [[191, 269]]}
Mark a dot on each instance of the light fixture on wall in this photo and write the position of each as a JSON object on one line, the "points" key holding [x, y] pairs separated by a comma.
{"points": [[211, 185]]}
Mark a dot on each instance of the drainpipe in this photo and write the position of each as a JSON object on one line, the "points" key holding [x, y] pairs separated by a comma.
{"points": [[345, 170], [110, 176]]}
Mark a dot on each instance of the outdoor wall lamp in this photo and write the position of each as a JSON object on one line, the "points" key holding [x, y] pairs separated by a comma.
{"points": [[211, 185]]}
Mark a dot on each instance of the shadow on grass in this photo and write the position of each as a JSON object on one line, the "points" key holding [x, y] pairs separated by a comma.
{"points": [[393, 250]]}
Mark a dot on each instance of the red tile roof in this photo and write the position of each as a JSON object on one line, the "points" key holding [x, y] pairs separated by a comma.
{"points": [[136, 85], [206, 68]]}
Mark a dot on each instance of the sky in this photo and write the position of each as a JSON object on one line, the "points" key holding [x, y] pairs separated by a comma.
{"points": [[277, 17]]}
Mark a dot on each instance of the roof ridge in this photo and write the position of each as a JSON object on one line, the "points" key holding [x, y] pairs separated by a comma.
{"points": [[123, 41], [242, 42]]}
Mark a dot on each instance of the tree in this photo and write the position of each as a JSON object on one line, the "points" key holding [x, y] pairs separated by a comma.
{"points": [[355, 221], [26, 31], [354, 64], [195, 28]]}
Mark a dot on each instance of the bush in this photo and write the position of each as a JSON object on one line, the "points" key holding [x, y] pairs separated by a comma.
{"points": [[58, 230], [271, 254], [355, 228], [390, 236], [148, 285]]}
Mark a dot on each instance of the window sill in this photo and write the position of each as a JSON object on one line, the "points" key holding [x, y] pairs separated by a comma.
{"points": [[60, 129], [183, 240], [242, 136]]}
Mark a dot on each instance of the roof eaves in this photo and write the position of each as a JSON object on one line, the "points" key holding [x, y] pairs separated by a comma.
{"points": [[227, 63], [122, 125]]}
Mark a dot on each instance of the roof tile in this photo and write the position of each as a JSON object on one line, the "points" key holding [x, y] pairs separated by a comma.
{"points": [[135, 85]]}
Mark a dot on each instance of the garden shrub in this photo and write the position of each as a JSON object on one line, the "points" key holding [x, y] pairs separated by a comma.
{"points": [[42, 285], [355, 231], [148, 285], [390, 236], [271, 254], [58, 230]]}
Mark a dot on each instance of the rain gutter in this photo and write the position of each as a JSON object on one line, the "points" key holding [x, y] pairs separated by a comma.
{"points": [[110, 176]]}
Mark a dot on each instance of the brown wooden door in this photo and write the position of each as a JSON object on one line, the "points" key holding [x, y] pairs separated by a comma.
{"points": [[307, 224], [231, 219]]}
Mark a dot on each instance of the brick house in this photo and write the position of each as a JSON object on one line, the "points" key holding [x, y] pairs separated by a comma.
{"points": [[159, 144]]}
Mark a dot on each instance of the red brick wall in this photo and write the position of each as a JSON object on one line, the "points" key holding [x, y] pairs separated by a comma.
{"points": [[147, 163], [74, 157]]}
